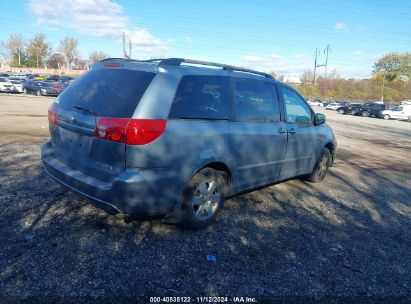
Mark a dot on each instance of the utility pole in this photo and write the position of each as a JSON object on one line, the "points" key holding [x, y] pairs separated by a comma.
{"points": [[317, 52], [129, 49], [326, 51], [315, 64], [124, 45]]}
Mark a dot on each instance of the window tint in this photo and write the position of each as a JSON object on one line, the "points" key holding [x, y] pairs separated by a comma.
{"points": [[297, 109], [201, 97], [255, 101], [107, 92], [397, 109]]}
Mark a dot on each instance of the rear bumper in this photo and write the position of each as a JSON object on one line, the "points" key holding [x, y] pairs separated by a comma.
{"points": [[142, 192]]}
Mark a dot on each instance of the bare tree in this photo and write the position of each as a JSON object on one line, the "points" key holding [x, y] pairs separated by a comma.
{"points": [[95, 56], [38, 50], [56, 61], [13, 48], [68, 46]]}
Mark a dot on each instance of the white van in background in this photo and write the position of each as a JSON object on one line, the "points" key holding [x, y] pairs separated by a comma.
{"points": [[402, 112]]}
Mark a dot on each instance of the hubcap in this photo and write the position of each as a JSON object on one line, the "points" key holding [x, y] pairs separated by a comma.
{"points": [[206, 200], [323, 166]]}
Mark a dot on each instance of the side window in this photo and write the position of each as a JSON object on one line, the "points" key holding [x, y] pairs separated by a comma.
{"points": [[255, 101], [398, 109], [201, 97], [297, 109]]}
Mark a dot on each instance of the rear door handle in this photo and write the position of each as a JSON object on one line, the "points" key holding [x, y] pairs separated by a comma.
{"points": [[282, 130], [291, 131]]}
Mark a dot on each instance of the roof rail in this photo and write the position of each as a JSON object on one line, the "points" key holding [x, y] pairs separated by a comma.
{"points": [[179, 61]]}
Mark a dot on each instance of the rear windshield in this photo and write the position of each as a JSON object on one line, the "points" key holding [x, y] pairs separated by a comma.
{"points": [[107, 92]]}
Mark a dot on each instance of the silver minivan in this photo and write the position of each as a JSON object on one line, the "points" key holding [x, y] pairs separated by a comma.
{"points": [[175, 137]]}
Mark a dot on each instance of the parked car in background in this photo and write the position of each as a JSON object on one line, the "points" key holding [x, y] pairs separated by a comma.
{"points": [[39, 88], [333, 105], [371, 109], [49, 88], [349, 108], [53, 78], [159, 138], [40, 77], [18, 86], [65, 78], [402, 112], [6, 85], [316, 103]]}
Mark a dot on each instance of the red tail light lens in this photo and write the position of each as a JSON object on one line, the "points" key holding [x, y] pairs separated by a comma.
{"points": [[57, 87], [144, 131], [130, 131], [52, 114], [113, 129]]}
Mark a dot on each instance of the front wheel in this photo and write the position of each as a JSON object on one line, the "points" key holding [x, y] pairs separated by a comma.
{"points": [[203, 198], [386, 117], [341, 111], [25, 91], [38, 93], [321, 167], [365, 114]]}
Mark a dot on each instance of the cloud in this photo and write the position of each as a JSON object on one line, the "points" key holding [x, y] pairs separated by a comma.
{"points": [[188, 40], [358, 53], [341, 26], [292, 66], [101, 18]]}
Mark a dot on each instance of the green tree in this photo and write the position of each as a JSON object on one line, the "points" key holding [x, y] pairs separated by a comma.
{"points": [[394, 66]]}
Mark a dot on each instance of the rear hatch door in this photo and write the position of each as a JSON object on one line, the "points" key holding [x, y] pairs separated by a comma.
{"points": [[100, 92]]}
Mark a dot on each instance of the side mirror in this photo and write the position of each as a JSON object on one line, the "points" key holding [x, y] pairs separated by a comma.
{"points": [[319, 119]]}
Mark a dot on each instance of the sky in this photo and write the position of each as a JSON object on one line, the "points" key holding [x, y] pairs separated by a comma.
{"points": [[280, 36]]}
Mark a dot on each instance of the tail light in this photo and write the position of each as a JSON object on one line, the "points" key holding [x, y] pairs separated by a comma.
{"points": [[130, 131], [52, 114], [57, 87]]}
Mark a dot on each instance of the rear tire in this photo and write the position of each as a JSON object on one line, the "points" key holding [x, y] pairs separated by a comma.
{"points": [[386, 117], [342, 111], [321, 167], [203, 198], [25, 91], [38, 93], [365, 114]]}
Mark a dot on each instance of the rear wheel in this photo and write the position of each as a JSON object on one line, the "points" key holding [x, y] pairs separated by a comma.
{"points": [[38, 93], [365, 114], [321, 167], [25, 91], [386, 117], [203, 198], [341, 111]]}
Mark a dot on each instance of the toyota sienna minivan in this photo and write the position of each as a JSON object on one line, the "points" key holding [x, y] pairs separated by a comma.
{"points": [[175, 137]]}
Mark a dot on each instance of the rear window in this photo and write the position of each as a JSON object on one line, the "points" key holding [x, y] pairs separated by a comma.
{"points": [[107, 92], [201, 97]]}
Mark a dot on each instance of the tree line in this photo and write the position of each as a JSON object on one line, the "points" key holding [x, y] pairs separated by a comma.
{"points": [[390, 82], [37, 52]]}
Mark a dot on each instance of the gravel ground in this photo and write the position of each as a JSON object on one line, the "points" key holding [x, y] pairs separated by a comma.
{"points": [[347, 236]]}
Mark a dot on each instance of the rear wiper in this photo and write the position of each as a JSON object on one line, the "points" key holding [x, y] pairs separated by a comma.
{"points": [[85, 110]]}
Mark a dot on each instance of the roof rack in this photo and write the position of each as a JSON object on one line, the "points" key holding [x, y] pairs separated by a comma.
{"points": [[179, 61]]}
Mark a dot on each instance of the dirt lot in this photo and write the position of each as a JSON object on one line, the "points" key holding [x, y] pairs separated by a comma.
{"points": [[347, 236]]}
